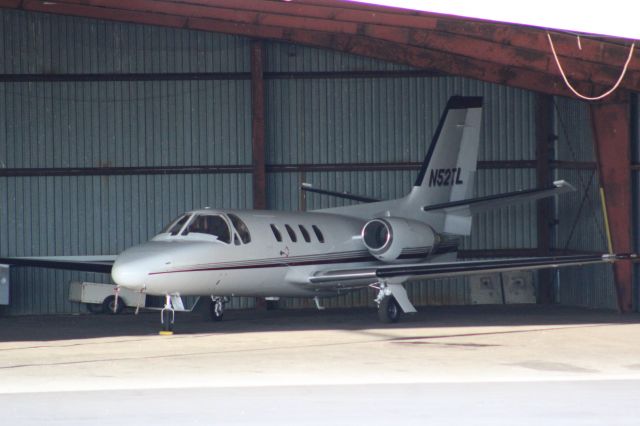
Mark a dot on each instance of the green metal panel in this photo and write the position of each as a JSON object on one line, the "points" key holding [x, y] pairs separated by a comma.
{"points": [[386, 119], [38, 43], [47, 216], [573, 128], [507, 227], [580, 218], [125, 124], [111, 124]]}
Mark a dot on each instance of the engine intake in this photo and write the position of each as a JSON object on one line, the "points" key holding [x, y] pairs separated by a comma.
{"points": [[392, 239]]}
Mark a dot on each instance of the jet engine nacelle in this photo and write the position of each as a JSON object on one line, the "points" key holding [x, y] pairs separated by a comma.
{"points": [[391, 239]]}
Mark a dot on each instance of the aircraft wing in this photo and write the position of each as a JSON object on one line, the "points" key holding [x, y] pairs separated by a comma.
{"points": [[73, 263], [408, 272]]}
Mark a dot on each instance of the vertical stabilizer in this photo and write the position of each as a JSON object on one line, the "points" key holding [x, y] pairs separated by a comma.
{"points": [[449, 168], [447, 173]]}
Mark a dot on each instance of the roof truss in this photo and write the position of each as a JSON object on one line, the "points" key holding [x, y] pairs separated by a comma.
{"points": [[498, 53]]}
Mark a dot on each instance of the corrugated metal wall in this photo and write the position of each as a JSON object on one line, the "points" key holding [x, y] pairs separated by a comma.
{"points": [[369, 121], [191, 123], [39, 43], [111, 124], [580, 218]]}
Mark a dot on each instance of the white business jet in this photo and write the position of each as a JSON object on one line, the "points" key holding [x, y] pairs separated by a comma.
{"points": [[379, 244]]}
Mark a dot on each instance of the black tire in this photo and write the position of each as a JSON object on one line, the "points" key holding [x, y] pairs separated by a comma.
{"points": [[95, 308], [167, 320], [109, 303], [389, 311], [214, 313]]}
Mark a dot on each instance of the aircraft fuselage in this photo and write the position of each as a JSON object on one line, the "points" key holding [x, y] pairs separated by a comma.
{"points": [[284, 249]]}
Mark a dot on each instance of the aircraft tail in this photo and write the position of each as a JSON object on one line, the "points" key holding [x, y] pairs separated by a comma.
{"points": [[448, 171], [449, 168]]}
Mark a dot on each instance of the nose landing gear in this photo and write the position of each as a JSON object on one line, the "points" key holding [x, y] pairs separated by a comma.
{"points": [[173, 303], [167, 317]]}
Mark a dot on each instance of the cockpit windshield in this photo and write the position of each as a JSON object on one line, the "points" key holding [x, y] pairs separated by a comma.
{"points": [[241, 228], [176, 225], [210, 224]]}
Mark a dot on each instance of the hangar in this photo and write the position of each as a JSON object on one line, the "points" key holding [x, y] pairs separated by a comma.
{"points": [[114, 118]]}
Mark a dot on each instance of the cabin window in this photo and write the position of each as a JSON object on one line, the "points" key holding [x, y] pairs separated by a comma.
{"points": [[175, 226], [241, 228], [305, 233], [276, 233], [291, 233], [211, 225], [318, 233]]}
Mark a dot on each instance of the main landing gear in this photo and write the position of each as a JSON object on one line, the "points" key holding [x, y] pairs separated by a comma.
{"points": [[388, 310], [392, 301], [216, 308]]}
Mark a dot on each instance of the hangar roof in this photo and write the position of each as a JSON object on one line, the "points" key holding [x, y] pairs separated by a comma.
{"points": [[512, 55]]}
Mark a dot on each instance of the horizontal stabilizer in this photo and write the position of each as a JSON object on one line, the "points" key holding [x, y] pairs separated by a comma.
{"points": [[72, 263], [309, 188], [474, 205], [458, 213]]}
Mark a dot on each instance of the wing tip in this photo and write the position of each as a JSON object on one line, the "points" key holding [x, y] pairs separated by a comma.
{"points": [[563, 184]]}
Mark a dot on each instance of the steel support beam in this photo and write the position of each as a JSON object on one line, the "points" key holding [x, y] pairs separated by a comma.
{"points": [[257, 127], [243, 168], [215, 76], [258, 135], [612, 138], [544, 138]]}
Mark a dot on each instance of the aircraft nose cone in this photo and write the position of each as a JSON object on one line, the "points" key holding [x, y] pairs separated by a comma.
{"points": [[133, 266], [128, 275]]}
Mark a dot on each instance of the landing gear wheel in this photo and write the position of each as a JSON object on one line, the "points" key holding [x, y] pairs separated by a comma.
{"points": [[389, 311], [216, 309], [167, 321], [109, 305]]}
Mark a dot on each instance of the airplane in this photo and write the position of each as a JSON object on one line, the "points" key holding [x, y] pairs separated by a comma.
{"points": [[218, 253]]}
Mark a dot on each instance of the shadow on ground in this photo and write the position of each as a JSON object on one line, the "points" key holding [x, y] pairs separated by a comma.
{"points": [[65, 327]]}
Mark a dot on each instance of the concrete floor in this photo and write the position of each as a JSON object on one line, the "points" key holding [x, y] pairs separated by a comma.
{"points": [[513, 350]]}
